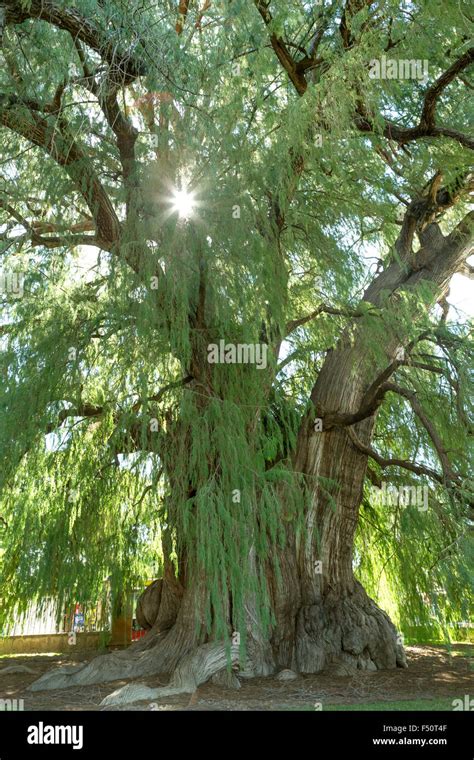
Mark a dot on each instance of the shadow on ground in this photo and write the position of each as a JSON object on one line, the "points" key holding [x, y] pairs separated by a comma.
{"points": [[435, 676]]}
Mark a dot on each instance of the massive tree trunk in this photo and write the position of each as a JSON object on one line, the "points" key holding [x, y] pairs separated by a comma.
{"points": [[322, 614], [334, 620]]}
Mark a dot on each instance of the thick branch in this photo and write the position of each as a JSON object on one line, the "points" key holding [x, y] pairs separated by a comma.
{"points": [[83, 410], [467, 270], [322, 309], [427, 119], [383, 462], [403, 135], [351, 8], [295, 72], [73, 237], [364, 121], [52, 138], [463, 234], [125, 133], [183, 8], [124, 66], [428, 425]]}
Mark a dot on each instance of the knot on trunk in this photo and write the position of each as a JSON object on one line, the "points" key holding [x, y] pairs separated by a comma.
{"points": [[148, 604]]}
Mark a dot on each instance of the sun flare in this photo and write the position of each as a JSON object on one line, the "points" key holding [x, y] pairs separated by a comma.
{"points": [[183, 203]]}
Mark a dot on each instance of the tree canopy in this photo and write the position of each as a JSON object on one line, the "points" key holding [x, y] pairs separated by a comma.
{"points": [[176, 174]]}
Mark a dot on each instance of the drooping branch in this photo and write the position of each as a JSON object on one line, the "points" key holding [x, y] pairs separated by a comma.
{"points": [[163, 391], [321, 309], [384, 462], [424, 366], [125, 66], [84, 410], [363, 120], [351, 8], [369, 407], [281, 50], [134, 432], [183, 9], [426, 126], [375, 395], [125, 133], [72, 238], [55, 140], [433, 93], [427, 423]]}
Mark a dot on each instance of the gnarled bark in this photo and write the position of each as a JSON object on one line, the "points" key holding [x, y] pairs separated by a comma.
{"points": [[323, 616]]}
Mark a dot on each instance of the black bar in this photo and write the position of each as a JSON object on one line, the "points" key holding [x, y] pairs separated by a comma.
{"points": [[149, 734]]}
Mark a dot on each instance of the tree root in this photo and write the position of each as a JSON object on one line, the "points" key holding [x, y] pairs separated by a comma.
{"points": [[194, 669], [129, 663], [107, 667], [351, 631]]}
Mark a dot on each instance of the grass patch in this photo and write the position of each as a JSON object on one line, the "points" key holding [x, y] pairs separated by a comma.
{"points": [[418, 705], [421, 705], [17, 656]]}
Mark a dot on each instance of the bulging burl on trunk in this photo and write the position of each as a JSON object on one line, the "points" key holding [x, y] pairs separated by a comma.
{"points": [[148, 604]]}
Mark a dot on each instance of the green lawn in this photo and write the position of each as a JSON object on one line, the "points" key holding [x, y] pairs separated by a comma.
{"points": [[427, 705]]}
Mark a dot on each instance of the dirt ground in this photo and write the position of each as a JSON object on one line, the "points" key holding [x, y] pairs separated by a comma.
{"points": [[434, 675]]}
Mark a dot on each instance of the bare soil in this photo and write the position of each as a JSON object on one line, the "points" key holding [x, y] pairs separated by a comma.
{"points": [[433, 673]]}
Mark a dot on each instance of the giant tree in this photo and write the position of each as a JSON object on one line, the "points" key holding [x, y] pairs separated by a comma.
{"points": [[287, 181]]}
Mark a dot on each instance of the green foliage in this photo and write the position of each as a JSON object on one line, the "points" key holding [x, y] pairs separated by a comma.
{"points": [[87, 495]]}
